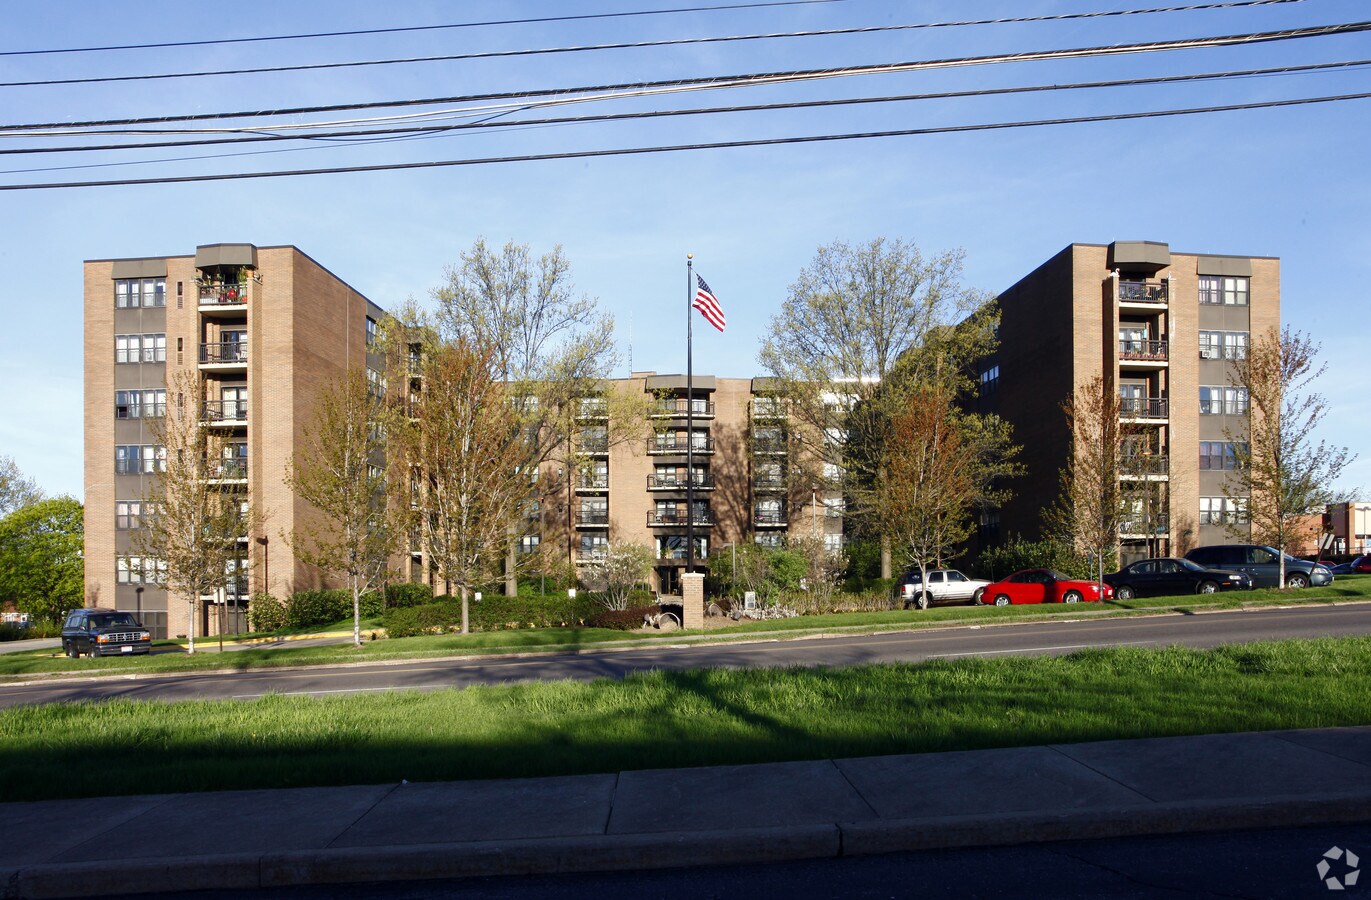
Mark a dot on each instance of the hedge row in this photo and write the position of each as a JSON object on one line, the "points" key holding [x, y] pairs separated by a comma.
{"points": [[495, 612], [305, 609]]}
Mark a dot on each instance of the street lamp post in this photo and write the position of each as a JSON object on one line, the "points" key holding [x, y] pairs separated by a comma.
{"points": [[138, 593], [266, 563]]}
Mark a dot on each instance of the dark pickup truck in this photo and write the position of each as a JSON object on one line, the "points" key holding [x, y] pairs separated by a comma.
{"points": [[104, 632]]}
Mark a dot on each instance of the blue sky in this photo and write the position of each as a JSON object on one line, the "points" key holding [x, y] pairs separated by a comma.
{"points": [[1278, 182]]}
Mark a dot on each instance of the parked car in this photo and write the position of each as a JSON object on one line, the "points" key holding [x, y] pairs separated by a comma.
{"points": [[1164, 576], [1361, 565], [103, 632], [1262, 563], [944, 586], [1042, 586]]}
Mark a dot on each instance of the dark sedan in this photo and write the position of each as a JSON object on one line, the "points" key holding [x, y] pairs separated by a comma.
{"points": [[1166, 577]]}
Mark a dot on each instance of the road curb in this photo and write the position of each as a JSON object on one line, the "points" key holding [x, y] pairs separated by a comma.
{"points": [[605, 853]]}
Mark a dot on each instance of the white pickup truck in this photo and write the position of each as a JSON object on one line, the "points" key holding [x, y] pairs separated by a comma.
{"points": [[944, 586]]}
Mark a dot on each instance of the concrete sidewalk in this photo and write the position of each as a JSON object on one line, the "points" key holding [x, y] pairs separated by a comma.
{"points": [[682, 817]]}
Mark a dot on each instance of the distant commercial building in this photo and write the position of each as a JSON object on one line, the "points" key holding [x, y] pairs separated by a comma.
{"points": [[1162, 329], [266, 329]]}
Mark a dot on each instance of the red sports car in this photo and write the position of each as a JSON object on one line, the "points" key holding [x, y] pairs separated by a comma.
{"points": [[1042, 586]]}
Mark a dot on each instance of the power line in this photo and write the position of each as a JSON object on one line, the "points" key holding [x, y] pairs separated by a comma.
{"points": [[434, 130], [674, 42], [363, 31], [728, 81], [720, 145]]}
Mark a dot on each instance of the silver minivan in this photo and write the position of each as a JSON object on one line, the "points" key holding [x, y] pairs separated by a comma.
{"points": [[1262, 563]]}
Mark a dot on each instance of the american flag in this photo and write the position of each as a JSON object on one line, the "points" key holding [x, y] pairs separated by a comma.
{"points": [[708, 304]]}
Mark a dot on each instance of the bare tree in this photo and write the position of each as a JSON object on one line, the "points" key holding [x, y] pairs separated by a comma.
{"points": [[466, 455], [951, 464], [549, 345], [16, 489], [1092, 505], [192, 522], [852, 315], [1281, 473], [340, 470]]}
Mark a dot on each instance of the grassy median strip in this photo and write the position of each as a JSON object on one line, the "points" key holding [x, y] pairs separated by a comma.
{"points": [[46, 662], [674, 719]]}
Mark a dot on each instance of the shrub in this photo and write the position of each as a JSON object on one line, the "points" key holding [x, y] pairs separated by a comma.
{"points": [[1017, 553], [408, 594], [266, 613], [442, 615], [620, 619], [306, 608]]}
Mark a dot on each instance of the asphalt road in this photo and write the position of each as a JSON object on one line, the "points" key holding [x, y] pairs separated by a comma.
{"points": [[1038, 638], [1250, 864]]}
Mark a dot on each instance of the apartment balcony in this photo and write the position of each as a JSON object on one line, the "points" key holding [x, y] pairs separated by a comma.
{"points": [[592, 411], [226, 471], [1145, 468], [1157, 526], [661, 519], [224, 356], [231, 413], [1143, 409], [769, 447], [1143, 295], [672, 483], [1142, 354], [768, 485], [590, 484], [593, 446], [768, 408], [589, 557], [592, 518], [770, 518], [677, 556], [223, 298], [659, 447], [680, 408]]}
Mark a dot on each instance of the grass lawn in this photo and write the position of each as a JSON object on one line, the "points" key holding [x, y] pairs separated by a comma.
{"points": [[681, 719], [46, 662]]}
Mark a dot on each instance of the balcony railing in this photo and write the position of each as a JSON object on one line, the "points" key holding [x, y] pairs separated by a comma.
{"points": [[658, 518], [769, 446], [1151, 527], [231, 294], [1143, 292], [592, 483], [1144, 466], [592, 518], [770, 518], [1143, 351], [591, 556], [592, 445], [768, 408], [679, 553], [681, 407], [235, 469], [1143, 407], [698, 445], [672, 483], [592, 409], [225, 411], [768, 485], [224, 352]]}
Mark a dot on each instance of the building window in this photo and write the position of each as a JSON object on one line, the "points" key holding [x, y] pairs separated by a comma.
{"points": [[140, 404], [1223, 344], [771, 539], [528, 544], [1223, 400], [1218, 455], [1224, 290], [139, 570], [135, 348], [130, 293], [990, 381], [371, 332], [126, 459], [128, 515], [376, 384], [1223, 511]]}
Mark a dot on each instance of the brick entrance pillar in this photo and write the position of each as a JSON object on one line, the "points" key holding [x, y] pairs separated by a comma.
{"points": [[693, 600]]}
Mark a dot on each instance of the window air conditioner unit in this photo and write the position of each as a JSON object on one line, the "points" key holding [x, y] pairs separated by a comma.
{"points": [[1208, 353]]}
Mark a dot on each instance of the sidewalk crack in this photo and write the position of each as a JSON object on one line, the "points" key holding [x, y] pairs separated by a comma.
{"points": [[364, 813], [855, 789], [1105, 775], [613, 796]]}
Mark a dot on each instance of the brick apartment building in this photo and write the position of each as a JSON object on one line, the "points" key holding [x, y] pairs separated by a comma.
{"points": [[266, 329], [1160, 327]]}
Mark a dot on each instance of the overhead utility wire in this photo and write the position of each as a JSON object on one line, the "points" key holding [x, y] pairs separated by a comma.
{"points": [[729, 81], [673, 42], [673, 148], [710, 110], [362, 31]]}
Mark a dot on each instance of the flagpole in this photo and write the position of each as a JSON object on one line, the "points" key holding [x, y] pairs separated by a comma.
{"points": [[690, 417]]}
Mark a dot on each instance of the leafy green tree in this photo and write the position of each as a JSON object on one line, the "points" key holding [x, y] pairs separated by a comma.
{"points": [[16, 489], [41, 568], [853, 316]]}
